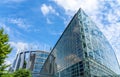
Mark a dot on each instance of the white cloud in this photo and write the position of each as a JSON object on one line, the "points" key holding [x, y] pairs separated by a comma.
{"points": [[36, 30], [12, 34], [71, 6], [111, 15], [23, 46], [19, 46], [112, 32], [46, 9], [55, 32], [48, 21], [7, 62], [21, 23], [105, 13], [7, 29]]}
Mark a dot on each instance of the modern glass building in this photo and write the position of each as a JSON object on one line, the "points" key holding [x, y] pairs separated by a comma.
{"points": [[81, 51], [32, 60]]}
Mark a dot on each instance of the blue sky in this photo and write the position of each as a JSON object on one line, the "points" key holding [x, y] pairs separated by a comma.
{"points": [[37, 24]]}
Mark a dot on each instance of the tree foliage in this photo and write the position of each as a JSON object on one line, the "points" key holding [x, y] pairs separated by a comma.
{"points": [[5, 49], [7, 75], [18, 73], [22, 73]]}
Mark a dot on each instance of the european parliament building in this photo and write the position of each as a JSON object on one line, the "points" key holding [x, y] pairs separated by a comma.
{"points": [[81, 51], [32, 60]]}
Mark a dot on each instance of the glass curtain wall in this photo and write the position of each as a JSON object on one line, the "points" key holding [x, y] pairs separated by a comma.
{"points": [[81, 51]]}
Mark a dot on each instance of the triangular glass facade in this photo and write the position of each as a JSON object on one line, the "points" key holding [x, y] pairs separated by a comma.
{"points": [[81, 51]]}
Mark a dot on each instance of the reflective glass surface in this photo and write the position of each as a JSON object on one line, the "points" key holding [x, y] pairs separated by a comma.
{"points": [[32, 60], [81, 51], [40, 58], [97, 48]]}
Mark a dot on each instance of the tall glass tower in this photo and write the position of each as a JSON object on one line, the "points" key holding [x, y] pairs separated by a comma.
{"points": [[81, 51]]}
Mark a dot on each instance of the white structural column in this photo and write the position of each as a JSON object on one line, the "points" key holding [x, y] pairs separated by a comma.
{"points": [[16, 64], [22, 60]]}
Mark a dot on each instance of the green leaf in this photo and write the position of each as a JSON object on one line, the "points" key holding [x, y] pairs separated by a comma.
{"points": [[5, 49]]}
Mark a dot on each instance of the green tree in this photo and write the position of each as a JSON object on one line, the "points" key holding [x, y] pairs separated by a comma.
{"points": [[7, 75], [5, 49], [22, 73]]}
